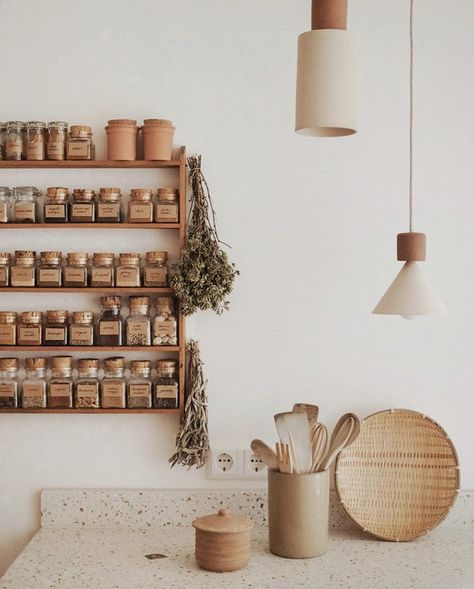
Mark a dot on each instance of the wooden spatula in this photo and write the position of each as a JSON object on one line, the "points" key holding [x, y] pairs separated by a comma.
{"points": [[294, 430]]}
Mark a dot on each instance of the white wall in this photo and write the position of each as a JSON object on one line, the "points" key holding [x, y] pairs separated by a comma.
{"points": [[312, 221]]}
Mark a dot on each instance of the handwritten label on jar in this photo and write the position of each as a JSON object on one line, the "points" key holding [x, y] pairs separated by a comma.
{"points": [[166, 391], [128, 276], [86, 390], [80, 335], [7, 389], [137, 328], [23, 276], [166, 327], [35, 150], [49, 275], [141, 212], [109, 328], [3, 275], [56, 211], [54, 333], [82, 210], [113, 393], [156, 275], [24, 212], [168, 212], [139, 390], [75, 274], [60, 389], [29, 335], [13, 146], [102, 276], [78, 149], [7, 335], [109, 209], [3, 212], [33, 390], [54, 149]]}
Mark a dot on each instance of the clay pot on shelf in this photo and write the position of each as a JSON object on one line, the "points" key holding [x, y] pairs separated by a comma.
{"points": [[122, 139], [158, 139]]}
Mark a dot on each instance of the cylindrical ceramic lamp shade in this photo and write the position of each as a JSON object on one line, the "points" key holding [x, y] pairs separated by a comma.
{"points": [[326, 87]]}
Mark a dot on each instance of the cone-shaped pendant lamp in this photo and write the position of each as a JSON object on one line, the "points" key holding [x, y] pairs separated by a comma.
{"points": [[326, 86], [410, 294]]}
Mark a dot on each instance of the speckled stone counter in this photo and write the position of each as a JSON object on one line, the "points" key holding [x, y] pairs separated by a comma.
{"points": [[99, 539]]}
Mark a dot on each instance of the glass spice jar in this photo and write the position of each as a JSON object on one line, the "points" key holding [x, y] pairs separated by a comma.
{"points": [[14, 136], [140, 206], [128, 272], [82, 207], [113, 385], [22, 272], [139, 388], [4, 204], [110, 324], [155, 272], [138, 323], [4, 269], [8, 382], [25, 204], [102, 271], [165, 323], [55, 208], [49, 272], [61, 386], [30, 330], [165, 387], [56, 141], [109, 207], [87, 385], [55, 330], [35, 140], [8, 328], [76, 272], [80, 144], [167, 208], [81, 330], [34, 386]]}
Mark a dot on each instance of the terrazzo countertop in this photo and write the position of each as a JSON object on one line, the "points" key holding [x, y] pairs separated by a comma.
{"points": [[90, 540]]}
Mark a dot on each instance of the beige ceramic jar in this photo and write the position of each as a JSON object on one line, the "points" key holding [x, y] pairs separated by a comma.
{"points": [[158, 139], [122, 139], [223, 541]]}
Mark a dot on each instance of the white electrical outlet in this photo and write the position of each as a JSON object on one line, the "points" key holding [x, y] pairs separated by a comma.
{"points": [[253, 467], [225, 464]]}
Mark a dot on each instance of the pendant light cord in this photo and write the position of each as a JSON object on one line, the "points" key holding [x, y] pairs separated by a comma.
{"points": [[410, 181]]}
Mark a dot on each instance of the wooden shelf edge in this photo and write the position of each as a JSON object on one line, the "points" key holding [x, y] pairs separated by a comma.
{"points": [[116, 226], [150, 349], [87, 164], [85, 290], [17, 410]]}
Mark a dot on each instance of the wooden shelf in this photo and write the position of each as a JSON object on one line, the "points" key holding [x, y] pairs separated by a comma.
{"points": [[86, 164], [150, 349], [106, 291], [89, 411], [90, 226]]}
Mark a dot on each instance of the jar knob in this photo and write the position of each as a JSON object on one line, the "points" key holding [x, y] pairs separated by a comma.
{"points": [[224, 512]]}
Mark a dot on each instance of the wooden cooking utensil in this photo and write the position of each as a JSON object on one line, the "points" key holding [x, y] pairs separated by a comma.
{"points": [[319, 445], [294, 430], [345, 432], [265, 454], [312, 411], [285, 460]]}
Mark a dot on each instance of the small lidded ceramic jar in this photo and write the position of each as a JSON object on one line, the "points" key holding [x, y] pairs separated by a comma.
{"points": [[223, 541], [122, 139]]}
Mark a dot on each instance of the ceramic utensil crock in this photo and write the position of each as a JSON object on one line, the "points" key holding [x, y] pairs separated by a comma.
{"points": [[223, 541], [298, 513]]}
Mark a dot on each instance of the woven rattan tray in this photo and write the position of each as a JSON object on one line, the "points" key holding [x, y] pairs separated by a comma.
{"points": [[400, 478]]}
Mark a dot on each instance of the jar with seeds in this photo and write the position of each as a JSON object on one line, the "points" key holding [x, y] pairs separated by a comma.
{"points": [[138, 323], [4, 204], [55, 208], [165, 323], [109, 208], [165, 387], [4, 269], [23, 268], [35, 140], [8, 382], [82, 208], [80, 144], [140, 206], [110, 324], [155, 272], [102, 271], [30, 330], [8, 328], [14, 138], [128, 272], [113, 385], [55, 330], [34, 386], [167, 208], [76, 271], [56, 140], [81, 330], [87, 385], [25, 204], [49, 272], [139, 385], [60, 386]]}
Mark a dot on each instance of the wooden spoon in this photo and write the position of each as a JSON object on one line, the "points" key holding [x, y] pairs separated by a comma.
{"points": [[265, 454], [345, 432]]}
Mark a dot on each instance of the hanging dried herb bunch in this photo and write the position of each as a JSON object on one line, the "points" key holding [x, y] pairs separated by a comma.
{"points": [[203, 277], [192, 441]]}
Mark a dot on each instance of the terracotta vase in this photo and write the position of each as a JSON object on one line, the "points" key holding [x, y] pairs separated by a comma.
{"points": [[158, 139]]}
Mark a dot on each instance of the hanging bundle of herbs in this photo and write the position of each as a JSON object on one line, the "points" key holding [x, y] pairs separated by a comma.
{"points": [[203, 277], [192, 441]]}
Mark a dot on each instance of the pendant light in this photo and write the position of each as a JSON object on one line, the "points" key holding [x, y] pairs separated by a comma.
{"points": [[410, 294], [326, 86]]}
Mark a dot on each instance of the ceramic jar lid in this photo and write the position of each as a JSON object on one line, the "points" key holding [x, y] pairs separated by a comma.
{"points": [[223, 522]]}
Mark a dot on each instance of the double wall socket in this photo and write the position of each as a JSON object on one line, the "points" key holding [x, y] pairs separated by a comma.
{"points": [[234, 463]]}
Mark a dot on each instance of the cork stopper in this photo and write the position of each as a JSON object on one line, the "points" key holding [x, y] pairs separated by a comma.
{"points": [[5, 258], [141, 194], [83, 194], [103, 259], [77, 258], [57, 194], [156, 257], [60, 363], [114, 363], [25, 257], [8, 316], [35, 363], [170, 194], [87, 364], [83, 317], [50, 257], [122, 122], [110, 303], [55, 316], [110, 194], [8, 364], [166, 366], [33, 317], [411, 247], [158, 122], [138, 302], [140, 367], [129, 259], [81, 131], [164, 305]]}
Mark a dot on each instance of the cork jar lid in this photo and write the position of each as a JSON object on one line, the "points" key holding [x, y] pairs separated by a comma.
{"points": [[110, 302], [83, 194], [55, 316], [31, 317], [122, 122], [86, 364], [110, 194], [170, 194], [80, 131], [25, 255], [129, 258], [113, 363], [153, 257], [140, 365], [5, 257], [138, 301], [141, 194], [103, 258], [8, 316], [166, 366], [57, 193], [223, 522], [61, 362], [51, 257], [158, 122], [83, 317], [35, 363], [80, 258], [8, 363]]}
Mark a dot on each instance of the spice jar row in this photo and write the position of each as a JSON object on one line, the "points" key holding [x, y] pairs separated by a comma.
{"points": [[60, 388], [20, 205], [123, 136], [82, 270], [58, 328], [37, 140]]}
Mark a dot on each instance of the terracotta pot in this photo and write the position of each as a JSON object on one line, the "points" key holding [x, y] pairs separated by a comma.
{"points": [[158, 139], [122, 139], [223, 541], [298, 513]]}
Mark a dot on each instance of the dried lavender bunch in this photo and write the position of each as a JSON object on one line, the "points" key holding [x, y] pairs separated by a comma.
{"points": [[203, 276], [192, 441]]}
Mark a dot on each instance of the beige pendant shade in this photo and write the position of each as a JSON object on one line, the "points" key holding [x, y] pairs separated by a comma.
{"points": [[326, 86]]}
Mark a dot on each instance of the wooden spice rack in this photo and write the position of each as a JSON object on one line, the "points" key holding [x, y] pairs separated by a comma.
{"points": [[180, 166]]}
